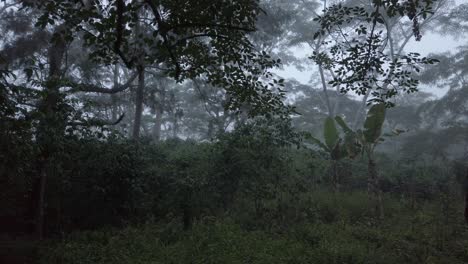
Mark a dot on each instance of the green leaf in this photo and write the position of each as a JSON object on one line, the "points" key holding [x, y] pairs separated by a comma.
{"points": [[330, 133], [318, 143], [352, 146], [343, 124], [374, 122]]}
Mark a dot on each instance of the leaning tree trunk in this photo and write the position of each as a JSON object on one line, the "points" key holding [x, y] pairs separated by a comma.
{"points": [[373, 188], [139, 102], [325, 92]]}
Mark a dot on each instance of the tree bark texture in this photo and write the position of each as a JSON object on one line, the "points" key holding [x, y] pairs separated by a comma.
{"points": [[139, 102]]}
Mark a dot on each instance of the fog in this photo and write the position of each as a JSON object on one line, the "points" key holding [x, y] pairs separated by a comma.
{"points": [[234, 131]]}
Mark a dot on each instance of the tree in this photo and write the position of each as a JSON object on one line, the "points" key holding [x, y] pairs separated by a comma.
{"points": [[359, 63], [450, 73], [187, 40], [366, 140], [369, 138], [184, 40], [446, 118]]}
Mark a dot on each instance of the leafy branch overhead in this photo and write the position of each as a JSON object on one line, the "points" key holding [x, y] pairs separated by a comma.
{"points": [[185, 40], [360, 60]]}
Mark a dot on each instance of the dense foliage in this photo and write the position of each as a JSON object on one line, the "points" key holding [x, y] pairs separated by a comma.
{"points": [[162, 131]]}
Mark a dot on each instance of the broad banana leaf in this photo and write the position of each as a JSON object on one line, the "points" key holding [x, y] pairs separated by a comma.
{"points": [[330, 133], [343, 124], [374, 122], [318, 143]]}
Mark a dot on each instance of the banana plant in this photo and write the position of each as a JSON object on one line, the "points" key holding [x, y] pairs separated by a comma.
{"points": [[354, 142], [336, 146], [371, 137], [366, 140]]}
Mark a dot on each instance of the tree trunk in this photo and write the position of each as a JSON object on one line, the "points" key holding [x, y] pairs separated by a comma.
{"points": [[335, 177], [373, 188], [360, 113], [50, 129], [114, 96], [139, 102], [157, 124], [336, 107], [175, 127], [210, 132], [466, 207], [325, 92], [187, 214], [40, 208], [466, 196]]}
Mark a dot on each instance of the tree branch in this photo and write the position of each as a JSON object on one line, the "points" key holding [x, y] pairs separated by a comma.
{"points": [[198, 36], [119, 28], [119, 25], [91, 88], [231, 27], [97, 122], [163, 31]]}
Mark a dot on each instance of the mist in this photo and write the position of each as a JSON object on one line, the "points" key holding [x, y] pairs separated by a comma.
{"points": [[234, 131]]}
